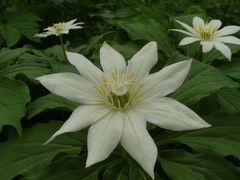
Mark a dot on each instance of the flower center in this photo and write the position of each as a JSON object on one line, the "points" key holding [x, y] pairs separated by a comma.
{"points": [[117, 91], [206, 32], [59, 27]]}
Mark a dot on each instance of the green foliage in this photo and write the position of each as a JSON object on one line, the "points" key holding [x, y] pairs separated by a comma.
{"points": [[211, 89], [12, 104]]}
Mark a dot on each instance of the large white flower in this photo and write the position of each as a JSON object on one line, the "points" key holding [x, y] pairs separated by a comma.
{"points": [[60, 28], [118, 101], [209, 35]]}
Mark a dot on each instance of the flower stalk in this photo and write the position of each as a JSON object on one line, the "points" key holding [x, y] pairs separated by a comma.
{"points": [[63, 49]]}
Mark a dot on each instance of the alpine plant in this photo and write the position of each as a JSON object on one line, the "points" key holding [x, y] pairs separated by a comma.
{"points": [[119, 100], [210, 35]]}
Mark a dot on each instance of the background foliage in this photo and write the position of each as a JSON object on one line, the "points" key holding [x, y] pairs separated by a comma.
{"points": [[29, 115]]}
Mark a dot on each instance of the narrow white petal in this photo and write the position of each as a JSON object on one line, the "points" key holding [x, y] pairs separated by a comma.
{"points": [[40, 35], [71, 22], [111, 60], [168, 113], [186, 26], [82, 117], [215, 23], [138, 143], [142, 62], [225, 50], [103, 137], [166, 80], [197, 21], [184, 32], [229, 39], [228, 30], [71, 86], [206, 46], [76, 27], [85, 67], [188, 40]]}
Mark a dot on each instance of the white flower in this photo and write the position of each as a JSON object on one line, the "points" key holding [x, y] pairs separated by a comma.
{"points": [[209, 35], [118, 102], [60, 28]]}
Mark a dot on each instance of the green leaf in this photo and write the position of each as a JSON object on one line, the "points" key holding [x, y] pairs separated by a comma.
{"points": [[144, 28], [232, 69], [14, 95], [31, 70], [71, 167], [25, 23], [21, 154], [7, 55], [10, 34], [201, 81], [180, 165], [221, 140], [49, 102], [229, 100], [117, 170]]}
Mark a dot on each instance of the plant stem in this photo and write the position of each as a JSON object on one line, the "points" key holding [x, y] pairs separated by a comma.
{"points": [[63, 49]]}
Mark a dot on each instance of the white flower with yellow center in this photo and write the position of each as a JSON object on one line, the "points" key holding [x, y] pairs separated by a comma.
{"points": [[118, 102], [209, 35], [60, 28]]}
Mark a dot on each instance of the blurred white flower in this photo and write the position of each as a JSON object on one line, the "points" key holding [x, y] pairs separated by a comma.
{"points": [[119, 101], [60, 28], [209, 35]]}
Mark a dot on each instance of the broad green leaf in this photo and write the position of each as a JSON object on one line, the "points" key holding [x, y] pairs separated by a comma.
{"points": [[10, 34], [144, 28], [71, 167], [7, 55], [13, 98], [221, 140], [55, 51], [201, 81], [49, 102], [229, 100], [232, 69], [31, 70], [25, 23], [180, 165], [21, 154], [118, 170]]}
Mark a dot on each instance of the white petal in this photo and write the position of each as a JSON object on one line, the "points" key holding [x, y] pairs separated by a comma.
{"points": [[103, 137], [168, 113], [184, 32], [111, 60], [215, 23], [85, 67], [143, 61], [71, 86], [82, 117], [188, 40], [138, 143], [197, 21], [228, 30], [166, 80], [186, 26], [71, 22], [229, 39], [206, 46], [225, 50]]}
